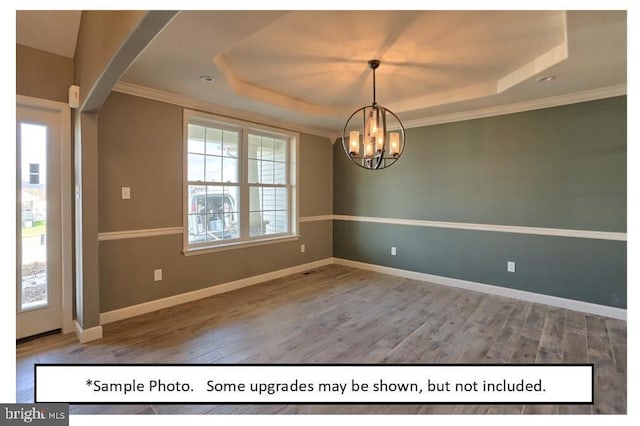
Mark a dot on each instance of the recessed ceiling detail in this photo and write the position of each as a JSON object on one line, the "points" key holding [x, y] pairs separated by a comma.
{"points": [[274, 97], [432, 57], [309, 68]]}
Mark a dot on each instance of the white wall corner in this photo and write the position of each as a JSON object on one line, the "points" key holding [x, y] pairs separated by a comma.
{"points": [[89, 334]]}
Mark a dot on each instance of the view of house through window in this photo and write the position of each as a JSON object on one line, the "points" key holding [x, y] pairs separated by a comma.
{"points": [[213, 177], [267, 185], [238, 183], [33, 212]]}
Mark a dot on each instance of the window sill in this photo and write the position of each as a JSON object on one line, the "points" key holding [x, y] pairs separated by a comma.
{"points": [[239, 245]]}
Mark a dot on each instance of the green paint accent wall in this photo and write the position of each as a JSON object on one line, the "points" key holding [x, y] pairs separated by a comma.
{"points": [[574, 268], [562, 167]]}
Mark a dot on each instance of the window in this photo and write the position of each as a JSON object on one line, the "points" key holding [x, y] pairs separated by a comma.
{"points": [[239, 182], [34, 173]]}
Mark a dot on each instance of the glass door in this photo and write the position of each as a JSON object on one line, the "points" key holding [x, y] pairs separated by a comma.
{"points": [[38, 292]]}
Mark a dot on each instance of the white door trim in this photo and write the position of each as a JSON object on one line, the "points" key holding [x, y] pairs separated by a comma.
{"points": [[65, 199]]}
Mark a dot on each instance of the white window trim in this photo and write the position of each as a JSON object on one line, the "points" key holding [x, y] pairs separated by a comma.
{"points": [[243, 127]]}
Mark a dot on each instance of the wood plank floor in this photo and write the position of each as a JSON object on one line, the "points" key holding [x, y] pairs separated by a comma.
{"points": [[336, 314]]}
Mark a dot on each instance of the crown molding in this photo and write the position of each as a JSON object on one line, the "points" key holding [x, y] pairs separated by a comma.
{"points": [[553, 101], [549, 102], [188, 102]]}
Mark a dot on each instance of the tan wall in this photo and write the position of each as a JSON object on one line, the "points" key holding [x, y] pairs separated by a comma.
{"points": [[316, 176], [126, 266], [43, 75], [140, 146]]}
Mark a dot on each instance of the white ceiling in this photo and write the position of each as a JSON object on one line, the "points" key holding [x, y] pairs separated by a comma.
{"points": [[309, 68], [54, 31]]}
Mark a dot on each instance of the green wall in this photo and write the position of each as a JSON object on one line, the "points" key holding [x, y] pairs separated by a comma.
{"points": [[562, 167]]}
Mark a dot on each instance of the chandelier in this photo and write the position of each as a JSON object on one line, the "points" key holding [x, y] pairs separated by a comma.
{"points": [[366, 138]]}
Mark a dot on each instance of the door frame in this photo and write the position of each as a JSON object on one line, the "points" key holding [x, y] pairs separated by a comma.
{"points": [[66, 184]]}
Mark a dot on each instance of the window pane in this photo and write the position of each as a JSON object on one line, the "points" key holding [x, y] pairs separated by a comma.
{"points": [[269, 218], [255, 203], [267, 148], [214, 169], [266, 172], [197, 232], [214, 141], [280, 150], [196, 218], [281, 199], [231, 212], [256, 224], [214, 211], [254, 171], [230, 169], [34, 283], [195, 167], [214, 227], [281, 221], [268, 198], [279, 173], [230, 144], [196, 198], [196, 139], [254, 147]]}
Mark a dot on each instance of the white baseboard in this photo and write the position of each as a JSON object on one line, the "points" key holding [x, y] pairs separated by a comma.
{"points": [[575, 305], [88, 335], [154, 305]]}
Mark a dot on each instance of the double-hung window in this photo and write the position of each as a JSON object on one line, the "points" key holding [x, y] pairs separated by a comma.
{"points": [[239, 182]]}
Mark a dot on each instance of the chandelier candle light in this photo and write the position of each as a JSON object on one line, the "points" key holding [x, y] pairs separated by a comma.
{"points": [[377, 148]]}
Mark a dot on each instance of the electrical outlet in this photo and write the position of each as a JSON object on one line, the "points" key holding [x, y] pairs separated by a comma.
{"points": [[302, 248], [393, 251], [126, 193], [511, 266], [157, 275]]}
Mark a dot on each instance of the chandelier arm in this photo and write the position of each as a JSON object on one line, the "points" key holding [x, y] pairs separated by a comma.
{"points": [[401, 130], [378, 161], [364, 133]]}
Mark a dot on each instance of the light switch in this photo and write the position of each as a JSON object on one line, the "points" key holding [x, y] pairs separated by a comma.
{"points": [[126, 193], [511, 266], [157, 274]]}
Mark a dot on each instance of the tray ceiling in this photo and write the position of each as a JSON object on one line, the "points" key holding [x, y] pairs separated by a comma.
{"points": [[310, 67]]}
